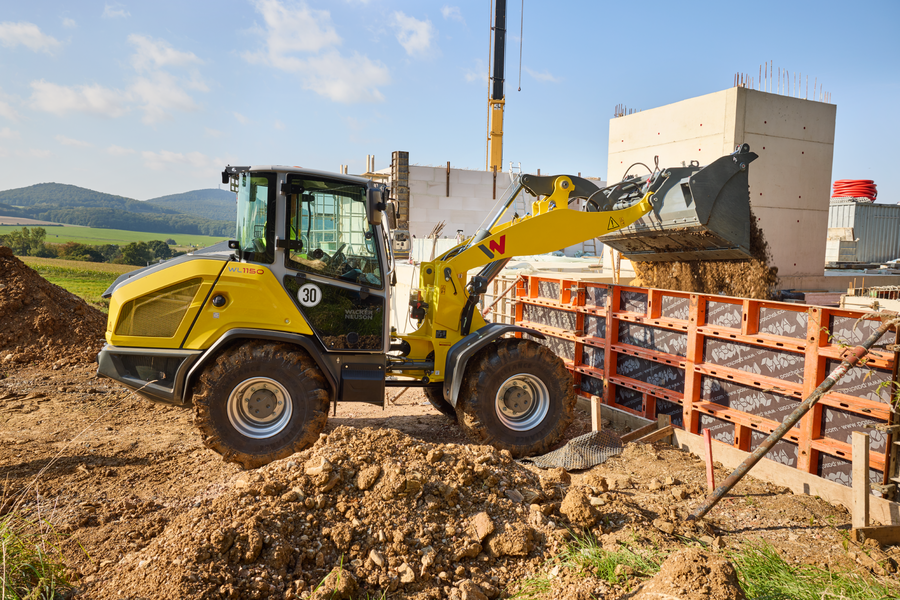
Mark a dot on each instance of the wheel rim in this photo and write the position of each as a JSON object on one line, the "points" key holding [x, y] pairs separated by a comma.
{"points": [[522, 402], [259, 408]]}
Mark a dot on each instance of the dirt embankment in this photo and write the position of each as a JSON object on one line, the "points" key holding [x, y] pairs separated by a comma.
{"points": [[744, 279], [41, 322]]}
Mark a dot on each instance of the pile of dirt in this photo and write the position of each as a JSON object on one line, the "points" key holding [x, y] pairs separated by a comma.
{"points": [[744, 279], [372, 510], [43, 323], [693, 574]]}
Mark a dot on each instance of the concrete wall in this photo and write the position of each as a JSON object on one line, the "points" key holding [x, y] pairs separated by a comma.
{"points": [[790, 182], [469, 204]]}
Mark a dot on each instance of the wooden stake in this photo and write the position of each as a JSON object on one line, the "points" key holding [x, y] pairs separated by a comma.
{"points": [[710, 472], [860, 480]]}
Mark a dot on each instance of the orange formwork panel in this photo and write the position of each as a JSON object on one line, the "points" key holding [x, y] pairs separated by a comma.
{"points": [[735, 366]]}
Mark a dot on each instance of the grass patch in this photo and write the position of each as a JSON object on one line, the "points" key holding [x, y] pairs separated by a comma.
{"points": [[764, 575], [98, 235], [30, 559], [532, 588], [586, 553], [84, 279]]}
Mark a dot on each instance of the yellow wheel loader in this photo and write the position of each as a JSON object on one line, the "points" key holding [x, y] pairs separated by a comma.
{"points": [[262, 333]]}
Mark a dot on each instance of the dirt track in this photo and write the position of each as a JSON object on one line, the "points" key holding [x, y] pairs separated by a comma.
{"points": [[123, 477], [394, 499]]}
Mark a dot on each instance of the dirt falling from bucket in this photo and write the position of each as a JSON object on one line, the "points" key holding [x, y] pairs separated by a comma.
{"points": [[752, 278]]}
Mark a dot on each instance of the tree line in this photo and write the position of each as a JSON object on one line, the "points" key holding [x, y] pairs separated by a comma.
{"points": [[32, 242]]}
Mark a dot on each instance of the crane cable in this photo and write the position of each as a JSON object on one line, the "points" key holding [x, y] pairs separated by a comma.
{"points": [[521, 31]]}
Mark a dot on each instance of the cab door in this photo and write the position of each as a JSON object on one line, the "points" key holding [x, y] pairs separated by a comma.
{"points": [[334, 268]]}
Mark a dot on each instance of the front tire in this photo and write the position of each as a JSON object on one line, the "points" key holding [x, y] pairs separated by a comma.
{"points": [[435, 395], [518, 396], [260, 402]]}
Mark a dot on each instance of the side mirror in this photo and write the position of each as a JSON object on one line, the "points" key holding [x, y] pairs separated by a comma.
{"points": [[375, 204]]}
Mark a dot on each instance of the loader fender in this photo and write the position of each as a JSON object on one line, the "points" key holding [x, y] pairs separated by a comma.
{"points": [[459, 354], [316, 351]]}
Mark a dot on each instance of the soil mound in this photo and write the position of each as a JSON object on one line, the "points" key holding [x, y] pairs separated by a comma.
{"points": [[41, 322], [365, 510], [744, 279], [693, 575]]}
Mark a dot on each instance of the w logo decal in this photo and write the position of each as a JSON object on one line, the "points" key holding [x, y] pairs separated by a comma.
{"points": [[495, 246]]}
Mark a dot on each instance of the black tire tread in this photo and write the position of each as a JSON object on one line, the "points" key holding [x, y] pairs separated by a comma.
{"points": [[295, 360], [479, 373], [435, 395]]}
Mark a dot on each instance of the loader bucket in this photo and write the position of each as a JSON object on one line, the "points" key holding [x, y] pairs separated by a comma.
{"points": [[698, 214]]}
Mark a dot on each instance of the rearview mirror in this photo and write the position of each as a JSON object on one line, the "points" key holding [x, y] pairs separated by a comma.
{"points": [[375, 204]]}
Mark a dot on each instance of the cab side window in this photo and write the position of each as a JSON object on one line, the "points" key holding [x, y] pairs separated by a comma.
{"points": [[330, 234]]}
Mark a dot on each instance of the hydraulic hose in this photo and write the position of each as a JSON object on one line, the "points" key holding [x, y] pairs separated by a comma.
{"points": [[855, 188]]}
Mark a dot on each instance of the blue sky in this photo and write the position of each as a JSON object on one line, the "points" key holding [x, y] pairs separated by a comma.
{"points": [[144, 99]]}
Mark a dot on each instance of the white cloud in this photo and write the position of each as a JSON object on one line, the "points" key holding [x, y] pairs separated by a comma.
{"points": [[543, 75], [159, 94], [214, 133], [241, 118], [8, 134], [115, 11], [477, 74], [90, 99], [301, 40], [119, 150], [33, 153], [67, 141], [155, 53], [69, 23], [279, 125], [165, 158], [8, 112], [28, 35], [414, 35], [453, 13]]}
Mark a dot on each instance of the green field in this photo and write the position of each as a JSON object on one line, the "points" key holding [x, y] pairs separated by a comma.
{"points": [[95, 236], [84, 279]]}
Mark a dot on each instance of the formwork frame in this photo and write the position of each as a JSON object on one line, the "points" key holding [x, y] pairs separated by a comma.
{"points": [[732, 365]]}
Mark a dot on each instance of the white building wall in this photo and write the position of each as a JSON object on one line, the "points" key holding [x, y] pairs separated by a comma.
{"points": [[468, 206]]}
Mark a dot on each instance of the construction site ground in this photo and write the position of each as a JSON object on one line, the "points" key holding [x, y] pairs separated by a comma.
{"points": [[389, 502], [145, 511]]}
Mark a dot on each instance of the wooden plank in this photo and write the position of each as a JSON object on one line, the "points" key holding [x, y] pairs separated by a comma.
{"points": [[639, 433], [880, 510], [658, 435], [861, 492], [885, 535], [596, 414]]}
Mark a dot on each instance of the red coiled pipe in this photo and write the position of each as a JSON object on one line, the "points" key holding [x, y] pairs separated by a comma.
{"points": [[855, 188]]}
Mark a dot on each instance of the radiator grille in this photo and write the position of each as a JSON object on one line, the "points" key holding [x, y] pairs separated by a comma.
{"points": [[159, 313]]}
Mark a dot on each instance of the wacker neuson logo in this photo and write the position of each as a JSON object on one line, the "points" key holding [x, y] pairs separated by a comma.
{"points": [[495, 246]]}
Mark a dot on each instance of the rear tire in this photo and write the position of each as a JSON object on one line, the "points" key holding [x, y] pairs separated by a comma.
{"points": [[518, 396], [260, 402], [435, 395]]}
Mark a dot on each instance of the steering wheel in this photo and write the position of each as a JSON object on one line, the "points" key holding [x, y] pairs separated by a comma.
{"points": [[337, 258]]}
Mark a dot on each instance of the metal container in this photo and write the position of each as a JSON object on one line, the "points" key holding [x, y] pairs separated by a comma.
{"points": [[876, 227]]}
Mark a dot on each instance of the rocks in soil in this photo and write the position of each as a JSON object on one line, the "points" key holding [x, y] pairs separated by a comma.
{"points": [[693, 574], [372, 508], [43, 323]]}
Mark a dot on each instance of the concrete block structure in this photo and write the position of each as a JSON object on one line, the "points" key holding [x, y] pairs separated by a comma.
{"points": [[790, 182]]}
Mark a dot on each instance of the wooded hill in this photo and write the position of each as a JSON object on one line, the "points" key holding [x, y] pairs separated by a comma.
{"points": [[180, 213]]}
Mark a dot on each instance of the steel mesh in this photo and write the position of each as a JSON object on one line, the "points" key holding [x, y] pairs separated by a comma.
{"points": [[583, 452]]}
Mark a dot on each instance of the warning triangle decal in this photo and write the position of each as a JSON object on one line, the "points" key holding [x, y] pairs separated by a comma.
{"points": [[612, 223]]}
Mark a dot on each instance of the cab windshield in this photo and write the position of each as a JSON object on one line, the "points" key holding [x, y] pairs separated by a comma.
{"points": [[256, 216]]}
